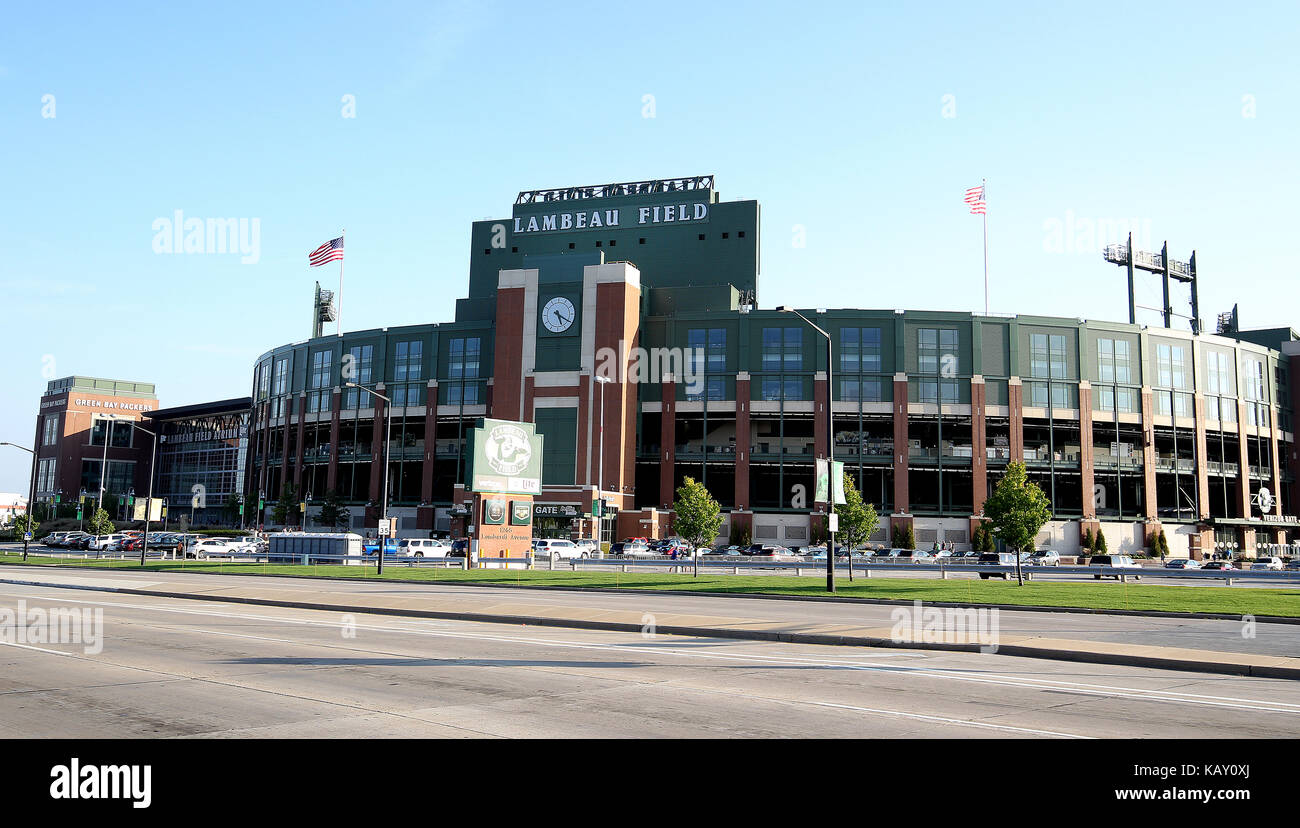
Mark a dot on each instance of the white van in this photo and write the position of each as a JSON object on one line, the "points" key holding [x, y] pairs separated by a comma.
{"points": [[423, 548], [558, 548], [1114, 562]]}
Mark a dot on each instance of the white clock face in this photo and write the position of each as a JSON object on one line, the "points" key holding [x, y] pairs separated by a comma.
{"points": [[558, 315]]}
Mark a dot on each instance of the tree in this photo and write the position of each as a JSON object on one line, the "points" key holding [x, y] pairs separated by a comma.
{"points": [[286, 505], [1017, 510], [858, 520], [21, 525], [1101, 543], [99, 524], [904, 537], [333, 514], [231, 509], [742, 535], [698, 517], [1089, 542]]}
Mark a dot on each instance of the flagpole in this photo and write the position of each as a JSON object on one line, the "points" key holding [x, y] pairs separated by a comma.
{"points": [[339, 324], [985, 196]]}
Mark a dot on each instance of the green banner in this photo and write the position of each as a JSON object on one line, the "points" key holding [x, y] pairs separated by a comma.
{"points": [[521, 513], [829, 474], [505, 458]]}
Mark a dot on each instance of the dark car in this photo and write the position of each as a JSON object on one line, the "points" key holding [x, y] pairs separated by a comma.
{"points": [[1219, 565], [459, 548]]}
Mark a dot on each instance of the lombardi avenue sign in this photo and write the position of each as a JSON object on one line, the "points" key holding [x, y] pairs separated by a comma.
{"points": [[687, 212]]}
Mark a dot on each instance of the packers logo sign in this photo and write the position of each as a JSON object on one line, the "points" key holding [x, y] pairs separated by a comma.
{"points": [[505, 458]]}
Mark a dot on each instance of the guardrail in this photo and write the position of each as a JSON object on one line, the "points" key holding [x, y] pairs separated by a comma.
{"points": [[720, 564]]}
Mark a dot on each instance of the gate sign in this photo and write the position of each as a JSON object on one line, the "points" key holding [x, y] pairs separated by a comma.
{"points": [[506, 458]]}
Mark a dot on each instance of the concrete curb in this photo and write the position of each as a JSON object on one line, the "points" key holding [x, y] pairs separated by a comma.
{"points": [[762, 596], [1017, 650]]}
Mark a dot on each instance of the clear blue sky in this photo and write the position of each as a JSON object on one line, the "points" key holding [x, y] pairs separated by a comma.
{"points": [[831, 115]]}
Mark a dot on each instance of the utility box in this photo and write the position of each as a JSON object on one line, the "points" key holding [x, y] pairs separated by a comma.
{"points": [[315, 547]]}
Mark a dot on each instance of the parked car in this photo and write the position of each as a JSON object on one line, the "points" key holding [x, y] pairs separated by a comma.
{"points": [[1182, 563], [53, 538], [103, 543], [422, 548], [559, 548], [1113, 562], [997, 559], [913, 555], [1294, 563], [371, 547], [459, 548], [1044, 557], [211, 548], [727, 550], [1219, 566], [630, 549], [1267, 563]]}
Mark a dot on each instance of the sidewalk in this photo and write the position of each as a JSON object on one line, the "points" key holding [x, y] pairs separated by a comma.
{"points": [[568, 609]]}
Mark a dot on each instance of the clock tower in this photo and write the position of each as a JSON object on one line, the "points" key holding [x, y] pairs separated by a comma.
{"points": [[561, 321]]}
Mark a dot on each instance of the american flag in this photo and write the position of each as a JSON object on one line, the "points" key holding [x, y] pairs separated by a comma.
{"points": [[330, 251], [975, 198]]}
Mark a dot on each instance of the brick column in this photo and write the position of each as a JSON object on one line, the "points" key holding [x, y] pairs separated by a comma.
{"points": [[1086, 453], [979, 456], [901, 496], [743, 440], [1148, 457], [1016, 428], [1275, 472], [668, 439], [284, 441]]}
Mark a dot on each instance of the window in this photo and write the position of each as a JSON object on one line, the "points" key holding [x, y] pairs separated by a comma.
{"points": [[120, 431], [779, 388], [859, 350], [51, 435], [279, 386], [714, 387], [45, 475], [319, 381], [707, 349], [936, 348], [1218, 374], [1171, 366], [782, 349], [263, 380], [928, 391], [860, 389], [1113, 364], [463, 393], [406, 366], [463, 358], [358, 367]]}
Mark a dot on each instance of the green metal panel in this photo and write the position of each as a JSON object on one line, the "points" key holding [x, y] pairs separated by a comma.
{"points": [[559, 426]]}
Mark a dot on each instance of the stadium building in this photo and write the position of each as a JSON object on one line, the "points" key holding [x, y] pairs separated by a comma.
{"points": [[623, 321]]}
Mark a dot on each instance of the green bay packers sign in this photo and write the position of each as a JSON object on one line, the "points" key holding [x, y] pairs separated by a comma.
{"points": [[505, 458]]}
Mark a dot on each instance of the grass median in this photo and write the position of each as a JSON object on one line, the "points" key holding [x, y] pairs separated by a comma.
{"points": [[1104, 595]]}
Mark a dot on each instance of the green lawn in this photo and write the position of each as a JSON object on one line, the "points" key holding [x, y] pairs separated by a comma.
{"points": [[1100, 595]]}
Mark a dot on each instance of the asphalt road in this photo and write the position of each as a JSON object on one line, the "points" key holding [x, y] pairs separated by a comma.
{"points": [[184, 668], [1201, 634]]}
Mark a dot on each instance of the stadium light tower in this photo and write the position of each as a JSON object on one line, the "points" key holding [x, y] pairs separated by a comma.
{"points": [[1130, 259]]}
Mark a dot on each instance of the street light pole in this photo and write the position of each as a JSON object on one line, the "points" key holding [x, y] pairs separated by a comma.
{"points": [[388, 439], [31, 495], [148, 504], [103, 464], [830, 456]]}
